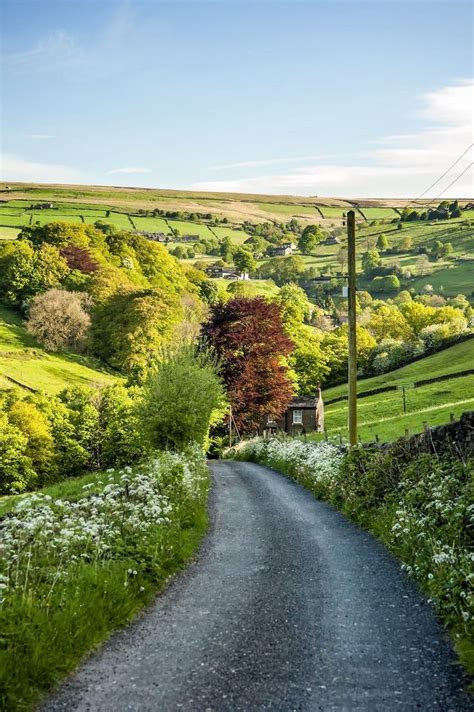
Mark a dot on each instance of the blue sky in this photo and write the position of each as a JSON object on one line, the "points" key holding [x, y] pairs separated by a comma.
{"points": [[353, 99]]}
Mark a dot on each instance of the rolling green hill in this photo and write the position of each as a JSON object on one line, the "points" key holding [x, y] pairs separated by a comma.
{"points": [[382, 414], [24, 363], [120, 206]]}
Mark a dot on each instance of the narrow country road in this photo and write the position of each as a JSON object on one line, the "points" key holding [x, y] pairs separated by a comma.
{"points": [[289, 607]]}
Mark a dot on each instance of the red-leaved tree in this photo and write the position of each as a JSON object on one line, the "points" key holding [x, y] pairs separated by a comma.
{"points": [[249, 338], [79, 258]]}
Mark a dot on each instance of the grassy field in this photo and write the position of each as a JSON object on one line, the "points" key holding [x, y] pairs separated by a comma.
{"points": [[288, 210], [9, 233], [151, 224], [382, 414], [23, 362], [88, 203], [189, 228]]}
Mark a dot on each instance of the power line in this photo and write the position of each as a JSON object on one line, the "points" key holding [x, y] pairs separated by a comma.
{"points": [[455, 180], [433, 200], [441, 178]]}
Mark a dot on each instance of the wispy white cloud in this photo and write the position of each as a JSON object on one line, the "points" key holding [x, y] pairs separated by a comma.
{"points": [[15, 168], [39, 136], [402, 165], [57, 49], [99, 53], [265, 162], [128, 170]]}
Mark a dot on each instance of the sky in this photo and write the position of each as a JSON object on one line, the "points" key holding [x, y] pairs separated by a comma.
{"points": [[336, 98]]}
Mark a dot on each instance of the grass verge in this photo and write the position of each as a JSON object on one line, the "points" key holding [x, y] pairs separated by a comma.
{"points": [[80, 559]]}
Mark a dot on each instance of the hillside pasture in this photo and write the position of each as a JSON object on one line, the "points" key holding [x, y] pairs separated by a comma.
{"points": [[44, 219], [382, 414], [454, 359], [289, 210], [238, 237], [188, 228], [380, 213], [24, 363], [14, 220], [9, 233], [151, 224]]}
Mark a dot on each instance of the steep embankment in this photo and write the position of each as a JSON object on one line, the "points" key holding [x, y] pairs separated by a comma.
{"points": [[24, 363]]}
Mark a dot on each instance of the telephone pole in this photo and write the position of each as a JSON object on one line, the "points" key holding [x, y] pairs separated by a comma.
{"points": [[352, 335]]}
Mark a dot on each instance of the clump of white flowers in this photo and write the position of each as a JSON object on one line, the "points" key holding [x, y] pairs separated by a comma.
{"points": [[421, 506], [309, 462], [43, 538]]}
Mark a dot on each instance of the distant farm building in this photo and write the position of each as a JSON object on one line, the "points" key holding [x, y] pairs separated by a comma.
{"points": [[330, 241], [287, 248], [226, 273]]}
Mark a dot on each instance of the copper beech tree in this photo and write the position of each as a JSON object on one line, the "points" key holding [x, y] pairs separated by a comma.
{"points": [[250, 340]]}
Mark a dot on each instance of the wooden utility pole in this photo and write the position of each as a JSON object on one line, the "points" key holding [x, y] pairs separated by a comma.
{"points": [[230, 426], [352, 336]]}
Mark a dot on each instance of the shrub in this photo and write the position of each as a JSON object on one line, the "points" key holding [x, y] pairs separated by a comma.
{"points": [[181, 399], [58, 320], [16, 471]]}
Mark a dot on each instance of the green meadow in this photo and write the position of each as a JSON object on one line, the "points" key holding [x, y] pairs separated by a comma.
{"points": [[382, 414], [23, 362]]}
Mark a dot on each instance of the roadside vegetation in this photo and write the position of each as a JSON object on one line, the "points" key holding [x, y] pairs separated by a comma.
{"points": [[420, 506], [80, 557], [75, 567]]}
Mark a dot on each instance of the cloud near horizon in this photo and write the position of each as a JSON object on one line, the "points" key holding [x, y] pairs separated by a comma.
{"points": [[128, 170], [401, 166], [13, 168]]}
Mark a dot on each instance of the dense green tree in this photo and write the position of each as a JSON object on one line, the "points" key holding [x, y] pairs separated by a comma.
{"points": [[283, 269], [390, 283], [16, 470], [382, 242], [40, 447], [16, 270], [370, 261], [130, 328], [174, 416], [244, 260], [294, 304], [310, 238], [388, 322], [308, 360]]}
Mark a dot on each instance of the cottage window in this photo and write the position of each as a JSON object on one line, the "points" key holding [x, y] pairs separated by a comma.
{"points": [[297, 417]]}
